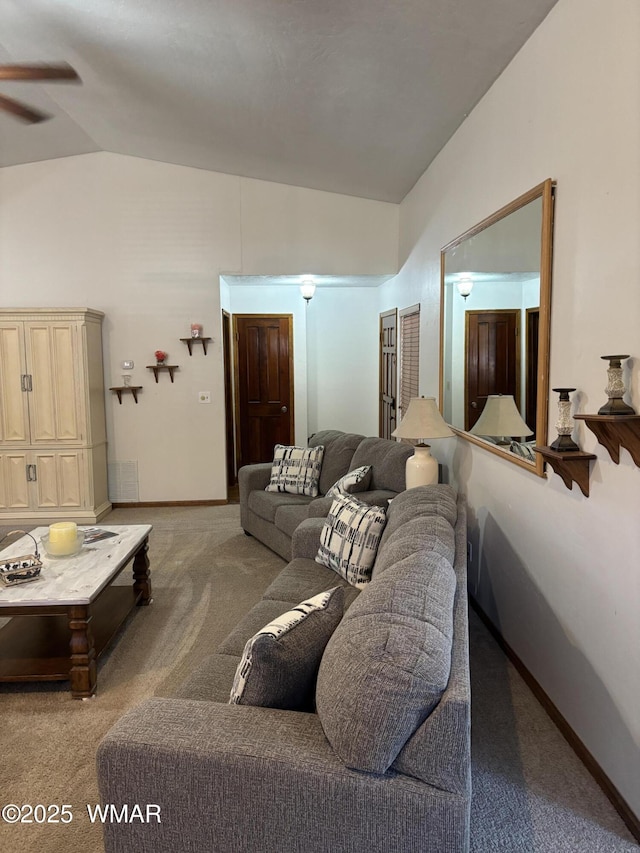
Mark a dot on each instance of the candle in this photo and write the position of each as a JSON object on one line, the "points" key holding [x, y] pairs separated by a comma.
{"points": [[64, 533]]}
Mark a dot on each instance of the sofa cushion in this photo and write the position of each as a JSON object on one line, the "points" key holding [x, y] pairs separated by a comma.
{"points": [[438, 499], [266, 504], [296, 470], [387, 459], [352, 482], [420, 534], [302, 578], [288, 517], [388, 662], [211, 680], [280, 663], [339, 448], [349, 539]]}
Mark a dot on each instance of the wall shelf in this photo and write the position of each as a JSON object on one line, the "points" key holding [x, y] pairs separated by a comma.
{"points": [[132, 389], [159, 367], [614, 432], [190, 341], [571, 465]]}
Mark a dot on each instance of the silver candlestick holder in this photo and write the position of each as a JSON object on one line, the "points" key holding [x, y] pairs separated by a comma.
{"points": [[564, 425], [615, 388]]}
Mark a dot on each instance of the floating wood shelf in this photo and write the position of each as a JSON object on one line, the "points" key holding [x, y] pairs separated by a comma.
{"points": [[614, 432], [190, 341], [571, 465], [132, 389], [158, 367]]}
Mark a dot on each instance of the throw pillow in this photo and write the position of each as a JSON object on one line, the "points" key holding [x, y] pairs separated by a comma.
{"points": [[296, 470], [353, 481], [279, 665], [349, 539]]}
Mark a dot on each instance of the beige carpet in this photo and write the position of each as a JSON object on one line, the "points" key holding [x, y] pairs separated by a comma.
{"points": [[205, 575], [531, 793]]}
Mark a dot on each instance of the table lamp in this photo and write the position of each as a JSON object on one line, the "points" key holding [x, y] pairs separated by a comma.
{"points": [[422, 420], [500, 419]]}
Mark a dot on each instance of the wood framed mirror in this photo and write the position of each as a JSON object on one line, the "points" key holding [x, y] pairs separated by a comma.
{"points": [[494, 328]]}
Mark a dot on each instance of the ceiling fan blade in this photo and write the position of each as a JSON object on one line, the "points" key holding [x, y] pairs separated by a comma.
{"points": [[21, 111], [62, 71]]}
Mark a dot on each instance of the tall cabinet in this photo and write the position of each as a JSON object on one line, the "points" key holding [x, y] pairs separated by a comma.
{"points": [[53, 445]]}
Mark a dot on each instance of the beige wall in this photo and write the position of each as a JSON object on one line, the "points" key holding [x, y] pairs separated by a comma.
{"points": [[145, 242], [557, 572]]}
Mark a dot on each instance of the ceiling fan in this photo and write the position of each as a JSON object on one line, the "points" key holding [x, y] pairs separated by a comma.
{"points": [[33, 73]]}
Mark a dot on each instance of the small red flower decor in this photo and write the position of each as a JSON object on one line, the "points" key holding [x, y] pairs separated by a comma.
{"points": [[160, 356]]}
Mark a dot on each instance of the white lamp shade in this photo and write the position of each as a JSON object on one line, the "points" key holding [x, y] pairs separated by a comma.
{"points": [[500, 417], [422, 420]]}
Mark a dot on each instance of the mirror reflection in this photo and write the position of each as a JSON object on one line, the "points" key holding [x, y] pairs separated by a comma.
{"points": [[495, 328]]}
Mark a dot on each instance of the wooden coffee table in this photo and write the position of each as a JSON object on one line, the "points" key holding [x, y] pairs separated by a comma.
{"points": [[61, 622]]}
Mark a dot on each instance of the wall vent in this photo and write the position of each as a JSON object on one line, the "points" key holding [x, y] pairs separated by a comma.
{"points": [[123, 482]]}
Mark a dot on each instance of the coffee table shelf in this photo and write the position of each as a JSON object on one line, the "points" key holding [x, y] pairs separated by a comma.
{"points": [[36, 647]]}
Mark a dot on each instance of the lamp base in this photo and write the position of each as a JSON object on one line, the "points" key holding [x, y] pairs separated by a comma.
{"points": [[421, 468]]}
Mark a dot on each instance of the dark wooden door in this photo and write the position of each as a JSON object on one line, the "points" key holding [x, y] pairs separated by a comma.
{"points": [[228, 397], [388, 372], [264, 385], [492, 359], [531, 367]]}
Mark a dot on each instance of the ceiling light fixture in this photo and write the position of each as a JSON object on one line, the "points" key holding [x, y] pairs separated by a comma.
{"points": [[464, 285], [307, 288]]}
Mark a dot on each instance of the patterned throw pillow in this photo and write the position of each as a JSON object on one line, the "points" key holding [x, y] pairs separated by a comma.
{"points": [[353, 481], [280, 663], [350, 537], [296, 470]]}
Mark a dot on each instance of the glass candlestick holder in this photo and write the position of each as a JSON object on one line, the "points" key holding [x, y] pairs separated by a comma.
{"points": [[615, 388], [564, 424]]}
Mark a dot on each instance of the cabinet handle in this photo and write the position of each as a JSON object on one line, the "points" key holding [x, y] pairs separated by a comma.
{"points": [[26, 382], [32, 474]]}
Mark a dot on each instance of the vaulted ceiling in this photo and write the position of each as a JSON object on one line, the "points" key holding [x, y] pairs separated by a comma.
{"points": [[350, 96]]}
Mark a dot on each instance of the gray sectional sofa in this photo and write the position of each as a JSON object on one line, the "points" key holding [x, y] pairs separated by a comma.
{"points": [[272, 517], [382, 765]]}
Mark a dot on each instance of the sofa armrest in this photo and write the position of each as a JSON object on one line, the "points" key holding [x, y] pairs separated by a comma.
{"points": [[251, 477], [306, 538], [254, 780], [319, 507]]}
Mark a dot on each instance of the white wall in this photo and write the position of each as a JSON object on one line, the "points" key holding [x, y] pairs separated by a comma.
{"points": [[145, 242], [557, 572], [343, 326]]}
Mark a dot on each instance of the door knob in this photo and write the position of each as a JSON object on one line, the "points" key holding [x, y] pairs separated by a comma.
{"points": [[474, 405], [284, 410]]}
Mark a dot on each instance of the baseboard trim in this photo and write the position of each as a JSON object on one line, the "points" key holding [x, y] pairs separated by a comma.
{"points": [[139, 504], [631, 821]]}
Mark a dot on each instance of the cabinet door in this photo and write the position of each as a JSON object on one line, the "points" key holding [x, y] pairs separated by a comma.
{"points": [[14, 489], [53, 362], [14, 417], [58, 479]]}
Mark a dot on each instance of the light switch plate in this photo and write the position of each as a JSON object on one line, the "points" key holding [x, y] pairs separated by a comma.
{"points": [[127, 365], [204, 396]]}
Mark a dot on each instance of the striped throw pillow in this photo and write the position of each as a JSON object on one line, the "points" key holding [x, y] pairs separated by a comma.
{"points": [[353, 481], [279, 665], [350, 537], [296, 470]]}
